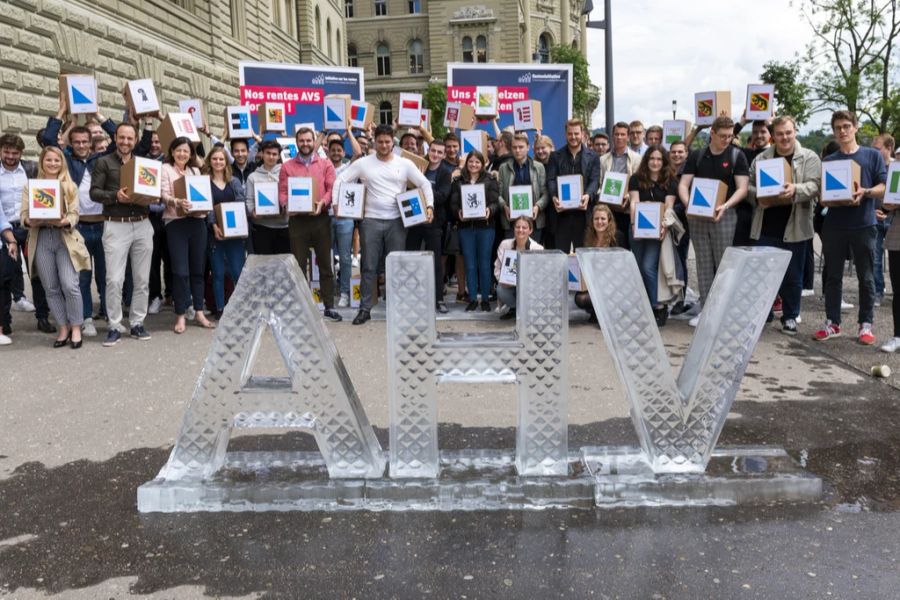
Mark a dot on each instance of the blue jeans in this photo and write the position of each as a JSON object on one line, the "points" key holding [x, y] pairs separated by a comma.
{"points": [[881, 228], [476, 243], [93, 240], [342, 234], [646, 252], [225, 254], [792, 284]]}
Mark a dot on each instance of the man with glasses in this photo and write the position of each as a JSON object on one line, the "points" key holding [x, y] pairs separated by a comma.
{"points": [[723, 161], [636, 138]]}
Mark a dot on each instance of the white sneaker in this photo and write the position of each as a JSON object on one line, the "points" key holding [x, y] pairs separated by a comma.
{"points": [[845, 306], [23, 305], [892, 345], [6, 341], [695, 321], [807, 293], [344, 301], [155, 305], [798, 319], [355, 261], [88, 329], [190, 313]]}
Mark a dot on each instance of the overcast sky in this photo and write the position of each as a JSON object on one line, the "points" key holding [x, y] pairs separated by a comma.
{"points": [[666, 50]]}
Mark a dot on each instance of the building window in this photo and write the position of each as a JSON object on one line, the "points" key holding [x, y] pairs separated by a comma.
{"points": [[338, 46], [318, 40], [481, 49], [544, 48], [328, 37], [352, 58], [383, 60], [380, 8], [238, 20], [415, 6], [468, 56], [283, 15], [348, 9], [385, 113], [416, 57]]}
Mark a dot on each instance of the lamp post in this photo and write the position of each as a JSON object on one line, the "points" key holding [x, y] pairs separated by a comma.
{"points": [[674, 108], [606, 25]]}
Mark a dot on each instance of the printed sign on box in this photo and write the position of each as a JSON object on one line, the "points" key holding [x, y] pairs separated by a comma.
{"points": [[140, 95], [337, 111], [706, 195], [80, 92], [474, 139], [892, 190], [237, 120], [569, 191], [272, 117], [521, 203], [412, 207], [177, 125], [350, 201], [232, 219], [647, 218], [288, 148], [142, 179], [509, 269], [303, 195], [771, 175], [527, 115], [410, 114], [486, 101], [361, 114], [193, 107], [44, 199], [760, 102], [197, 190], [425, 122], [576, 281], [839, 179], [709, 105], [614, 188], [675, 130], [459, 115], [265, 198], [474, 201]]}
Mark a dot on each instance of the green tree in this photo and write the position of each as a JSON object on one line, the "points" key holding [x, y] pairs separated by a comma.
{"points": [[585, 94], [791, 92], [435, 97]]}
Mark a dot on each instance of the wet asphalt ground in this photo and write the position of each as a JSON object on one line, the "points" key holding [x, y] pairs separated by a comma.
{"points": [[80, 431]]}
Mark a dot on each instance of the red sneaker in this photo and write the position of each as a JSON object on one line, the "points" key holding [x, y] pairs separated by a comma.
{"points": [[777, 306], [830, 330], [866, 336]]}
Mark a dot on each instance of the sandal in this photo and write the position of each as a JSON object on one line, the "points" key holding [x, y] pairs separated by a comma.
{"points": [[205, 323]]}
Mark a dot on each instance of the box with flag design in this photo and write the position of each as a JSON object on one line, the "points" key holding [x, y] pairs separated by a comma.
{"points": [[142, 179], [265, 198], [709, 105], [614, 188], [237, 122], [521, 201], [569, 189], [350, 201], [892, 189], [177, 125], [425, 122], [771, 176], [44, 200], [231, 217], [647, 220], [140, 97], [527, 115], [193, 107], [412, 207], [303, 195], [760, 102], [459, 116], [337, 111], [576, 281], [509, 269], [197, 190], [410, 114], [475, 139], [272, 117], [706, 196], [474, 201], [675, 130], [361, 114], [80, 93], [288, 148], [840, 178], [487, 101]]}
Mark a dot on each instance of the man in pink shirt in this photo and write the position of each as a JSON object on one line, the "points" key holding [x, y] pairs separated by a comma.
{"points": [[312, 230]]}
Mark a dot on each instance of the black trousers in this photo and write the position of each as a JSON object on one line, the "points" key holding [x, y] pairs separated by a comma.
{"points": [[7, 267], [894, 270], [430, 236], [744, 214], [187, 250], [160, 261], [41, 308], [569, 233], [268, 240], [314, 232]]}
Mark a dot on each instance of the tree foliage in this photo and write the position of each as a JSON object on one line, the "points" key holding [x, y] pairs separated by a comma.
{"points": [[791, 92], [585, 94], [435, 98]]}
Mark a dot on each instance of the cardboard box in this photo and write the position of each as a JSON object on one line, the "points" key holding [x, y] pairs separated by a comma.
{"points": [[265, 199], [193, 107], [576, 281], [420, 161], [337, 111], [614, 188], [272, 117], [412, 207], [569, 189], [839, 179], [288, 148], [410, 114], [355, 295], [140, 95], [474, 201], [238, 123], [706, 196], [44, 199], [892, 188], [232, 219], [647, 219], [303, 195], [476, 139], [771, 175], [527, 115], [487, 101], [521, 201], [425, 123], [709, 105], [509, 269], [760, 105], [177, 125], [350, 201], [80, 93], [311, 126], [361, 114], [675, 130], [459, 116], [142, 179], [198, 190]]}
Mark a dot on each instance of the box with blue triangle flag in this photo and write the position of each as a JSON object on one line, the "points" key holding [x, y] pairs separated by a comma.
{"points": [[238, 123], [706, 196], [475, 139], [412, 207], [647, 220], [337, 111], [265, 198], [569, 189], [771, 176], [892, 191], [198, 190], [231, 217], [80, 93], [839, 179], [576, 282], [303, 195]]}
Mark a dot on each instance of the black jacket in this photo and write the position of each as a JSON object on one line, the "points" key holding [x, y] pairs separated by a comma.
{"points": [[492, 198]]}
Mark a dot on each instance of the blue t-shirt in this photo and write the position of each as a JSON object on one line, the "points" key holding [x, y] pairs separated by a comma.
{"points": [[872, 172]]}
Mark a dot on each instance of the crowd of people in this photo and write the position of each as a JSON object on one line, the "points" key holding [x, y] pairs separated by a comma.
{"points": [[143, 257]]}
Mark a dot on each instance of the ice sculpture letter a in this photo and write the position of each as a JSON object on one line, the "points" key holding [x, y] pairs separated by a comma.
{"points": [[679, 421], [535, 357], [317, 393]]}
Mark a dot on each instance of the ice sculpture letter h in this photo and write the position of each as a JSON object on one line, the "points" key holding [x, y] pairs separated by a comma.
{"points": [[679, 421]]}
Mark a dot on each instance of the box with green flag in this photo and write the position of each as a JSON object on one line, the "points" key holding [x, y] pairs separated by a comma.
{"points": [[613, 189], [521, 203], [892, 191]]}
